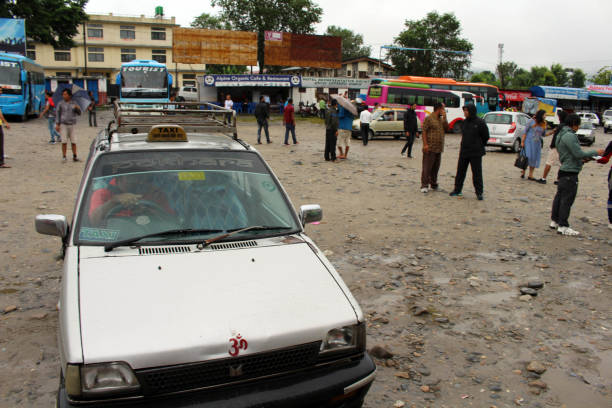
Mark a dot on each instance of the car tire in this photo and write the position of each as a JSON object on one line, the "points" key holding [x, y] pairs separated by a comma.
{"points": [[516, 146], [371, 134], [605, 130], [458, 127]]}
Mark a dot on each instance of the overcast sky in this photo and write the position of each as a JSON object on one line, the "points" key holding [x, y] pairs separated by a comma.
{"points": [[534, 32]]}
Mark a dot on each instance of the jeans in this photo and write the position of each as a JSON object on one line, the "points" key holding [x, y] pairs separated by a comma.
{"points": [[52, 131], [431, 167], [263, 125], [290, 128], [610, 196], [365, 133], [92, 114], [330, 144], [567, 188], [409, 143], [476, 163]]}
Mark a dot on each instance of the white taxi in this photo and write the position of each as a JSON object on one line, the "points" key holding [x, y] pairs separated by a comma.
{"points": [[188, 280]]}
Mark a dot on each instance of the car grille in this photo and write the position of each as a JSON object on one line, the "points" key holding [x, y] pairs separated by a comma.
{"points": [[186, 377]]}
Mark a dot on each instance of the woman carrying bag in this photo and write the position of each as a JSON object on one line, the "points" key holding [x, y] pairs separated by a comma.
{"points": [[531, 142]]}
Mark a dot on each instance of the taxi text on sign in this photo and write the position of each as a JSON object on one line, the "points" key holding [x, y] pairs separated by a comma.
{"points": [[167, 133]]}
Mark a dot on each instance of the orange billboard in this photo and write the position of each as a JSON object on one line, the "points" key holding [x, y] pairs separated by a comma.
{"points": [[197, 46], [302, 50]]}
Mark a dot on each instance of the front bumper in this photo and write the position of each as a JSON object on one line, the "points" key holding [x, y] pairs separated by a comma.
{"points": [[337, 386]]}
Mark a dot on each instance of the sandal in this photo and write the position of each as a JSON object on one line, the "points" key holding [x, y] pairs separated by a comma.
{"points": [[531, 178], [4, 166]]}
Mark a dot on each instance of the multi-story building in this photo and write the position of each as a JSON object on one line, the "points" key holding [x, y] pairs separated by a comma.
{"points": [[106, 41]]}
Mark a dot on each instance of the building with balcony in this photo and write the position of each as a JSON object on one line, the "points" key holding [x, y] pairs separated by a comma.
{"points": [[106, 41]]}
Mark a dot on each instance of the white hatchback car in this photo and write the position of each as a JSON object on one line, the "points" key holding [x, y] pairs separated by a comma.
{"points": [[188, 280], [189, 93], [506, 129], [588, 117], [607, 120]]}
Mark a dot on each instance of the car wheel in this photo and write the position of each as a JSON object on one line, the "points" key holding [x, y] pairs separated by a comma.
{"points": [[371, 134], [605, 130], [516, 146], [457, 127]]}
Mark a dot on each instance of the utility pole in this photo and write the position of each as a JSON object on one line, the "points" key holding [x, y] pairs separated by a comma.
{"points": [[500, 48], [85, 48]]}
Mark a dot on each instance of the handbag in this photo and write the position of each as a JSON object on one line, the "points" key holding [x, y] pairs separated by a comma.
{"points": [[521, 161]]}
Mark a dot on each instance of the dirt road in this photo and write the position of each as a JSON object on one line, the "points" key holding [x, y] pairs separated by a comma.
{"points": [[438, 277]]}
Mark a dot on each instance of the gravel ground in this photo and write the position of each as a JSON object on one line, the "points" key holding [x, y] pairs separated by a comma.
{"points": [[438, 277]]}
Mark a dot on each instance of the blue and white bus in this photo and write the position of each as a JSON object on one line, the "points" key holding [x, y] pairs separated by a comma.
{"points": [[144, 81], [23, 86]]}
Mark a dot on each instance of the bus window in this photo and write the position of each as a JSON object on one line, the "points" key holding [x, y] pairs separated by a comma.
{"points": [[452, 101], [420, 100], [375, 92]]}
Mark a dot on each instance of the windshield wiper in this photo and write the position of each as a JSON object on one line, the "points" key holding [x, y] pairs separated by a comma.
{"points": [[110, 246], [238, 231]]}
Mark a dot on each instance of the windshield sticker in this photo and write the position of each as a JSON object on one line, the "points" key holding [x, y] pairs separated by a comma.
{"points": [[98, 234], [268, 186], [144, 69], [191, 175]]}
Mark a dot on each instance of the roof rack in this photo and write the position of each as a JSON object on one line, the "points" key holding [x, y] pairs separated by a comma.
{"points": [[201, 117]]}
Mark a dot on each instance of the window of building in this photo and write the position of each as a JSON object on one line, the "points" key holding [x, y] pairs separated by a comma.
{"points": [[62, 54], [189, 80], [363, 74], [31, 52], [95, 31], [128, 54], [348, 73], [159, 56], [63, 74], [127, 32], [95, 54], [158, 33]]}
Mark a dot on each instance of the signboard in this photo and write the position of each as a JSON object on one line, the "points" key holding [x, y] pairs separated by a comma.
{"points": [[273, 36], [557, 92], [319, 51], [12, 35], [196, 46], [253, 80], [600, 90], [329, 82], [515, 96]]}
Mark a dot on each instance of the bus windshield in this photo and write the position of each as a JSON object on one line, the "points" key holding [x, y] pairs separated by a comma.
{"points": [[144, 82], [10, 78]]}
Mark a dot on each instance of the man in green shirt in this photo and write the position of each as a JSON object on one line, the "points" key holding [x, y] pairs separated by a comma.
{"points": [[572, 158]]}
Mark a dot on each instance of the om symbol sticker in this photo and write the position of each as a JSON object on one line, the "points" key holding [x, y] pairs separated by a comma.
{"points": [[236, 344]]}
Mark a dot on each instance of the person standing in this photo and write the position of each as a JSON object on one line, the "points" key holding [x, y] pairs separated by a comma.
{"points": [[49, 113], [229, 104], [262, 114], [289, 121], [553, 156], [531, 142], [322, 108], [4, 123], [365, 118], [572, 158], [435, 126], [411, 127], [606, 157], [67, 112], [331, 131], [473, 141], [92, 110], [344, 133]]}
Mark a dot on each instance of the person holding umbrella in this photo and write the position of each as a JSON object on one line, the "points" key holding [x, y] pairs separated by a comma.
{"points": [[66, 117], [346, 113]]}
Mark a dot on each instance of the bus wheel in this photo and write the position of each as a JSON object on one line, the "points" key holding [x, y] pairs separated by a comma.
{"points": [[24, 117], [457, 127]]}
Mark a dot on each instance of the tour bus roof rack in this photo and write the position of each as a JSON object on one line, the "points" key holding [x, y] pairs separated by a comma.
{"points": [[193, 117]]}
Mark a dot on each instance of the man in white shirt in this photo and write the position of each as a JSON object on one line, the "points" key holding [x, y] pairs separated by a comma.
{"points": [[365, 118], [229, 104]]}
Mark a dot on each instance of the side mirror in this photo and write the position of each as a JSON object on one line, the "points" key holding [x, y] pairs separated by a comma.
{"points": [[51, 224], [310, 213], [24, 76]]}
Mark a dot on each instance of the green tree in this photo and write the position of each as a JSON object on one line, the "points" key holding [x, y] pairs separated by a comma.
{"points": [[352, 43], [294, 16], [561, 74], [578, 79], [506, 71], [602, 77], [486, 77], [54, 22], [435, 31], [210, 22], [521, 79]]}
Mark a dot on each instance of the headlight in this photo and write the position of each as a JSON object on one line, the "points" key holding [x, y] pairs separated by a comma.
{"points": [[345, 338], [100, 380]]}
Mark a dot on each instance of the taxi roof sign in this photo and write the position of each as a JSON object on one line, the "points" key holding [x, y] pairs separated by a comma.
{"points": [[167, 133]]}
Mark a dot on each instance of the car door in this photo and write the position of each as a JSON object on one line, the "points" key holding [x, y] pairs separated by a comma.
{"points": [[521, 122], [398, 123]]}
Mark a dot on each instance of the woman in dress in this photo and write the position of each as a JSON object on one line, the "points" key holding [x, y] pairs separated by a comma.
{"points": [[532, 142]]}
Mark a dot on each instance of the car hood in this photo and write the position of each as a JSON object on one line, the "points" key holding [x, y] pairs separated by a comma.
{"points": [[156, 310]]}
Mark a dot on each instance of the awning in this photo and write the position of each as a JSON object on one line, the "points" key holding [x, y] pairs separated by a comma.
{"points": [[515, 96], [557, 92], [600, 91]]}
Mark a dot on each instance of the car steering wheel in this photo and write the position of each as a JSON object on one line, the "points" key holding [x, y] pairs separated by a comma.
{"points": [[146, 208]]}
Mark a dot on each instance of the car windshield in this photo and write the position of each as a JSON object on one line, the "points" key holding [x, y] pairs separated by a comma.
{"points": [[144, 82], [133, 194], [586, 125], [498, 119], [377, 114], [608, 113]]}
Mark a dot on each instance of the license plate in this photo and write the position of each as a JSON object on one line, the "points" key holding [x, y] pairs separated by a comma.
{"points": [[493, 140]]}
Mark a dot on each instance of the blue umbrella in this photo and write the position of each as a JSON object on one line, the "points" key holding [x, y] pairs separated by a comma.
{"points": [[79, 95]]}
